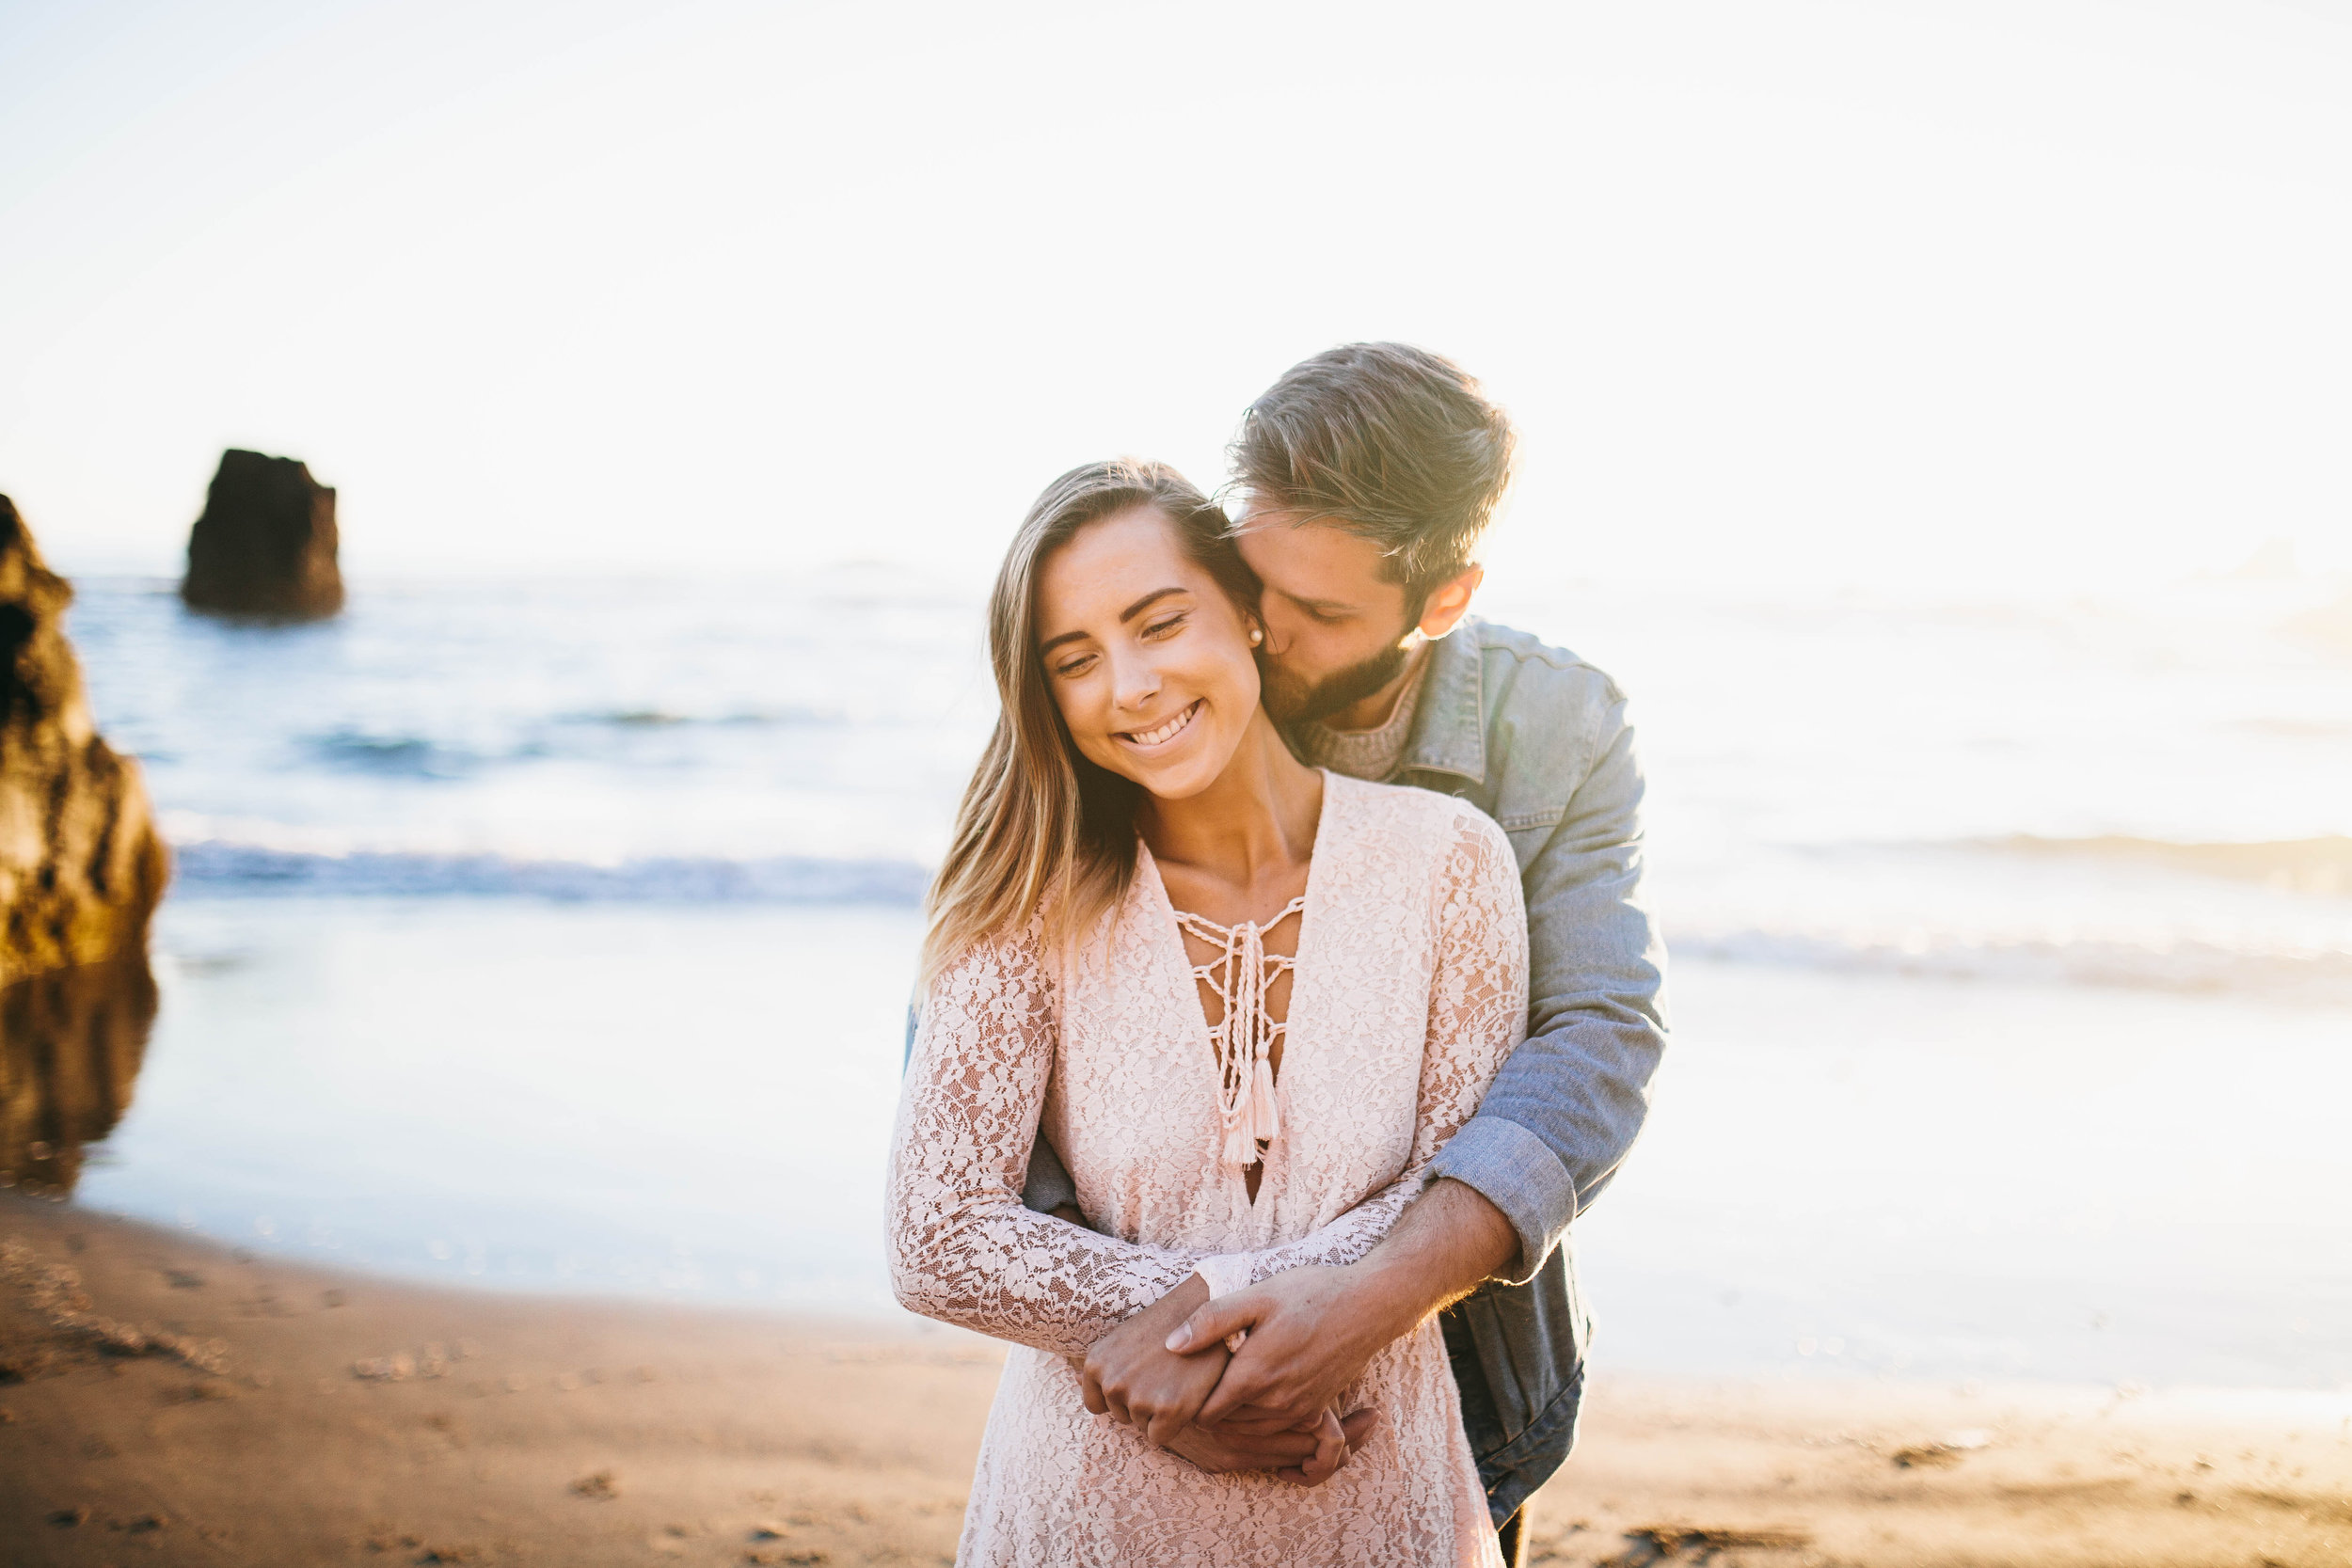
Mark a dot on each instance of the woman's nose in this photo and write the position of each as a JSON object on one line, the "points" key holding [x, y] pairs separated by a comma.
{"points": [[1135, 683]]}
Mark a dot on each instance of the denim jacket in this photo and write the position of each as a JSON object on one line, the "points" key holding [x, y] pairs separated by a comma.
{"points": [[1538, 740]]}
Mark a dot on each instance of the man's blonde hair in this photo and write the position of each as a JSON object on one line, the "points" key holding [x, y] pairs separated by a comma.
{"points": [[1389, 442]]}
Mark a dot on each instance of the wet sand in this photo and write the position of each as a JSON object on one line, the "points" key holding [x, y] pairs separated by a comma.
{"points": [[166, 1399]]}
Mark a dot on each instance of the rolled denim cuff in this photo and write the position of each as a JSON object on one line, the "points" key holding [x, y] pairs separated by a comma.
{"points": [[1515, 1171]]}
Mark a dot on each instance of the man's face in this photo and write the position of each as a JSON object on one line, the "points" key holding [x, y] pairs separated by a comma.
{"points": [[1336, 628]]}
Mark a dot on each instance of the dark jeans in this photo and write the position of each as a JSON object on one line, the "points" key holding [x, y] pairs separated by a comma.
{"points": [[1514, 1538], [1510, 1467]]}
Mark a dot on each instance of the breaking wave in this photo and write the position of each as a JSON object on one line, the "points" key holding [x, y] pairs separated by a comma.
{"points": [[2311, 966], [2320, 865], [2181, 965], [221, 866]]}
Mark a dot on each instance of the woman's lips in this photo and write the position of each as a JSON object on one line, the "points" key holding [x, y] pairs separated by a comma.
{"points": [[1161, 735]]}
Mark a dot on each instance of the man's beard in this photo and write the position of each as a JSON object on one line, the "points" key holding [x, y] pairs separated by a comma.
{"points": [[1290, 700]]}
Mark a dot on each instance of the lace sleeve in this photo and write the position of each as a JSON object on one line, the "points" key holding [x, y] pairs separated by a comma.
{"points": [[1477, 1013], [963, 1248]]}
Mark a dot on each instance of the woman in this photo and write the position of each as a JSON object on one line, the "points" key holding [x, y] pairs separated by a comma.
{"points": [[1247, 1000]]}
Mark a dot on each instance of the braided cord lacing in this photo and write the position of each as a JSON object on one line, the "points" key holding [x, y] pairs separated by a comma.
{"points": [[1246, 1035]]}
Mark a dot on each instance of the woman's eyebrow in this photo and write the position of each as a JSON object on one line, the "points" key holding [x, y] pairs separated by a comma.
{"points": [[1124, 616], [1145, 603]]}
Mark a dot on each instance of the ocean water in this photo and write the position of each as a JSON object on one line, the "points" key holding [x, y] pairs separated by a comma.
{"points": [[556, 935]]}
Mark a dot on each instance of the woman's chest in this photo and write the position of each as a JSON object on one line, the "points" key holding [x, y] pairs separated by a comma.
{"points": [[1137, 1068]]}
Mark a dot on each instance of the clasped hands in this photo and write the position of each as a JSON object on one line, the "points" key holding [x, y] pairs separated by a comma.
{"points": [[1275, 1405]]}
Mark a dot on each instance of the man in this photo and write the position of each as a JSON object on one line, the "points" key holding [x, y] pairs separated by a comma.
{"points": [[1367, 476]]}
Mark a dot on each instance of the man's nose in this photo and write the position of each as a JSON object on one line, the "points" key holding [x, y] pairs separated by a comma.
{"points": [[1277, 634]]}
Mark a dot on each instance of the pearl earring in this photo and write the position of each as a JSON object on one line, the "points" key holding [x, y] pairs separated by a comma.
{"points": [[1256, 637]]}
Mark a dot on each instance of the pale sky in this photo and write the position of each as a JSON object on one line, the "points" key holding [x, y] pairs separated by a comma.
{"points": [[1962, 293]]}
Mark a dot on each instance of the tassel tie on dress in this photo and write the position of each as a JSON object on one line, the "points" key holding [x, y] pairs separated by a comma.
{"points": [[1245, 1036]]}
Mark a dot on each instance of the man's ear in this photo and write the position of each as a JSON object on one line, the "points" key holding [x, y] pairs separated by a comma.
{"points": [[1449, 602]]}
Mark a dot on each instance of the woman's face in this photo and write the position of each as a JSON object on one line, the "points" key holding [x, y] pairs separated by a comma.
{"points": [[1147, 659]]}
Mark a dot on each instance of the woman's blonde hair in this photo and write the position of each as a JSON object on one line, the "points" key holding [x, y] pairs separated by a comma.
{"points": [[1041, 827]]}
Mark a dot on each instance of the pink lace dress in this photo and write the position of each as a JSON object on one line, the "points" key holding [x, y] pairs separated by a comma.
{"points": [[1409, 989]]}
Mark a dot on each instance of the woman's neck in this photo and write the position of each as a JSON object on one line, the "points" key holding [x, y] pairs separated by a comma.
{"points": [[1252, 828]]}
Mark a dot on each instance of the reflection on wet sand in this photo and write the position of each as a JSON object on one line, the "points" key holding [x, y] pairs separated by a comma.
{"points": [[70, 1043]]}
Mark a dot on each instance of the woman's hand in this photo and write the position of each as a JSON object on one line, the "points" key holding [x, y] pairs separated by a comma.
{"points": [[1330, 1452], [1131, 1375], [1301, 1458], [1312, 1332]]}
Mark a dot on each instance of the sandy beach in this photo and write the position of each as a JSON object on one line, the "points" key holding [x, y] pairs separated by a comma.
{"points": [[168, 1400], [530, 552]]}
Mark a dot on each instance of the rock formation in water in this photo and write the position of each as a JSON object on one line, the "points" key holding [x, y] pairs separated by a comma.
{"points": [[265, 544], [70, 1043], [81, 865]]}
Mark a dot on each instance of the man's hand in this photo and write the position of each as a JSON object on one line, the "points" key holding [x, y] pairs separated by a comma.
{"points": [[1131, 1375], [1312, 1330]]}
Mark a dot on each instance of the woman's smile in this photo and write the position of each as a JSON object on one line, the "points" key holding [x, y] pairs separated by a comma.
{"points": [[1147, 654], [1162, 734]]}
